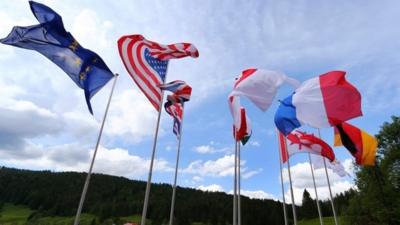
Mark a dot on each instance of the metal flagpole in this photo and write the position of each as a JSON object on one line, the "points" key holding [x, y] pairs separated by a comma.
{"points": [[316, 193], [235, 186], [153, 153], [171, 214], [283, 189], [239, 186], [330, 193], [86, 186], [291, 187], [329, 186]]}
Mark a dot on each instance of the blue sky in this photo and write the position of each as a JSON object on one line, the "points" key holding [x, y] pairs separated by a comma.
{"points": [[44, 122]]}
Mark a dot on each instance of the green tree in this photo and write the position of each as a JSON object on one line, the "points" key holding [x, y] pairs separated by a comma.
{"points": [[378, 198], [308, 207]]}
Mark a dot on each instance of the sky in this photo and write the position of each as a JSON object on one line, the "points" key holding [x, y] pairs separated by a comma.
{"points": [[45, 124]]}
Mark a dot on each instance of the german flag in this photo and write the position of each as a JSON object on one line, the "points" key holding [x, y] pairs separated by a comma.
{"points": [[360, 144]]}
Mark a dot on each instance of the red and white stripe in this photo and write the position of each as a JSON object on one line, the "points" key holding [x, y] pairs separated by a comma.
{"points": [[131, 49], [173, 51]]}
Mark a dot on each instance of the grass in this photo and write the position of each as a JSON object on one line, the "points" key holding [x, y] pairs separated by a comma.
{"points": [[14, 214], [315, 221], [18, 215]]}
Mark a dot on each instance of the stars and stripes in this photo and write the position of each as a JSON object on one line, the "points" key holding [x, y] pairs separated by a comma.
{"points": [[147, 62]]}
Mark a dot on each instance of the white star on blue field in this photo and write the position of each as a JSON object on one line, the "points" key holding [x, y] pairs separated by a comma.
{"points": [[44, 122]]}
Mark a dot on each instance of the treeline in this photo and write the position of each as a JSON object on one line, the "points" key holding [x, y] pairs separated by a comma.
{"points": [[58, 194]]}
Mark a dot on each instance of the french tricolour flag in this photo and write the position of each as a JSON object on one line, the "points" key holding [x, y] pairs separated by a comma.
{"points": [[322, 101]]}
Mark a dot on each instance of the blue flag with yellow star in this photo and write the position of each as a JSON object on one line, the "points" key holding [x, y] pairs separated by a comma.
{"points": [[51, 39]]}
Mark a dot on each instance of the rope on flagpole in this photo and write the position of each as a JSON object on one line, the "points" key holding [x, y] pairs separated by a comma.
{"points": [[283, 189], [235, 185], [291, 187], [329, 186], [171, 214], [239, 187], [321, 221], [153, 153], [86, 186]]}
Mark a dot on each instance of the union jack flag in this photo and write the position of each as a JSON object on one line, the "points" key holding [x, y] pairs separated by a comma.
{"points": [[174, 106], [181, 91], [147, 62], [176, 111]]}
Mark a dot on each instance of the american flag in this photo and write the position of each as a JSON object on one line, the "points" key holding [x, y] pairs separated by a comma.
{"points": [[147, 62], [176, 111]]}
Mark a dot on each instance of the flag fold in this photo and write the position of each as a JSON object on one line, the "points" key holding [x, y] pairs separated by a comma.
{"points": [[50, 39], [147, 61], [319, 102]]}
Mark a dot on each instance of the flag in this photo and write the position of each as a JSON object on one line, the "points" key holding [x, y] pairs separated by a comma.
{"points": [[241, 123], [50, 39], [301, 142], [260, 86], [323, 101], [176, 111], [181, 91], [147, 62], [174, 106], [336, 166], [360, 144]]}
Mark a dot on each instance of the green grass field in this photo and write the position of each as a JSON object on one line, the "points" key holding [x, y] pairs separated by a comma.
{"points": [[18, 215], [327, 221], [14, 215]]}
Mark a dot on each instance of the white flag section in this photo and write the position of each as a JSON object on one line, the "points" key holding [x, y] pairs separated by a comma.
{"points": [[260, 86], [336, 166], [241, 123]]}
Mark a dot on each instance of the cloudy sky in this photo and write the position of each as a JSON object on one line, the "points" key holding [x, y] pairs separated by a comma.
{"points": [[44, 122]]}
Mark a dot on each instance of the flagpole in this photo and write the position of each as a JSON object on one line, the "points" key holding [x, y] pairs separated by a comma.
{"points": [[316, 193], [329, 186], [235, 186], [239, 186], [86, 185], [171, 214], [283, 189], [153, 153], [291, 187]]}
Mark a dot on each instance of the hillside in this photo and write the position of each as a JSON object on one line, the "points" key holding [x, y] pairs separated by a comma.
{"points": [[109, 197]]}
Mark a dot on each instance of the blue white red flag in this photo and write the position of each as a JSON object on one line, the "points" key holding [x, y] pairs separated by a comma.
{"points": [[181, 91], [323, 101], [174, 106], [176, 111], [147, 62]]}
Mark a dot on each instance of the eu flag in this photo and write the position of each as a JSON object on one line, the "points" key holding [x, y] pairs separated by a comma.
{"points": [[51, 39]]}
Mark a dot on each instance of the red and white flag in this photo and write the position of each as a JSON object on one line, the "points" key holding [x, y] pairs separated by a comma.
{"points": [[260, 86], [301, 142], [241, 123], [146, 62]]}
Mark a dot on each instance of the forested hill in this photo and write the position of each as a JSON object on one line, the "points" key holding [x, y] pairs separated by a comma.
{"points": [[58, 193]]}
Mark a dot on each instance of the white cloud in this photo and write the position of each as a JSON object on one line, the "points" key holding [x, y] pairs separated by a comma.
{"points": [[131, 117], [258, 194], [74, 157], [211, 188], [255, 143], [220, 167], [209, 149]]}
